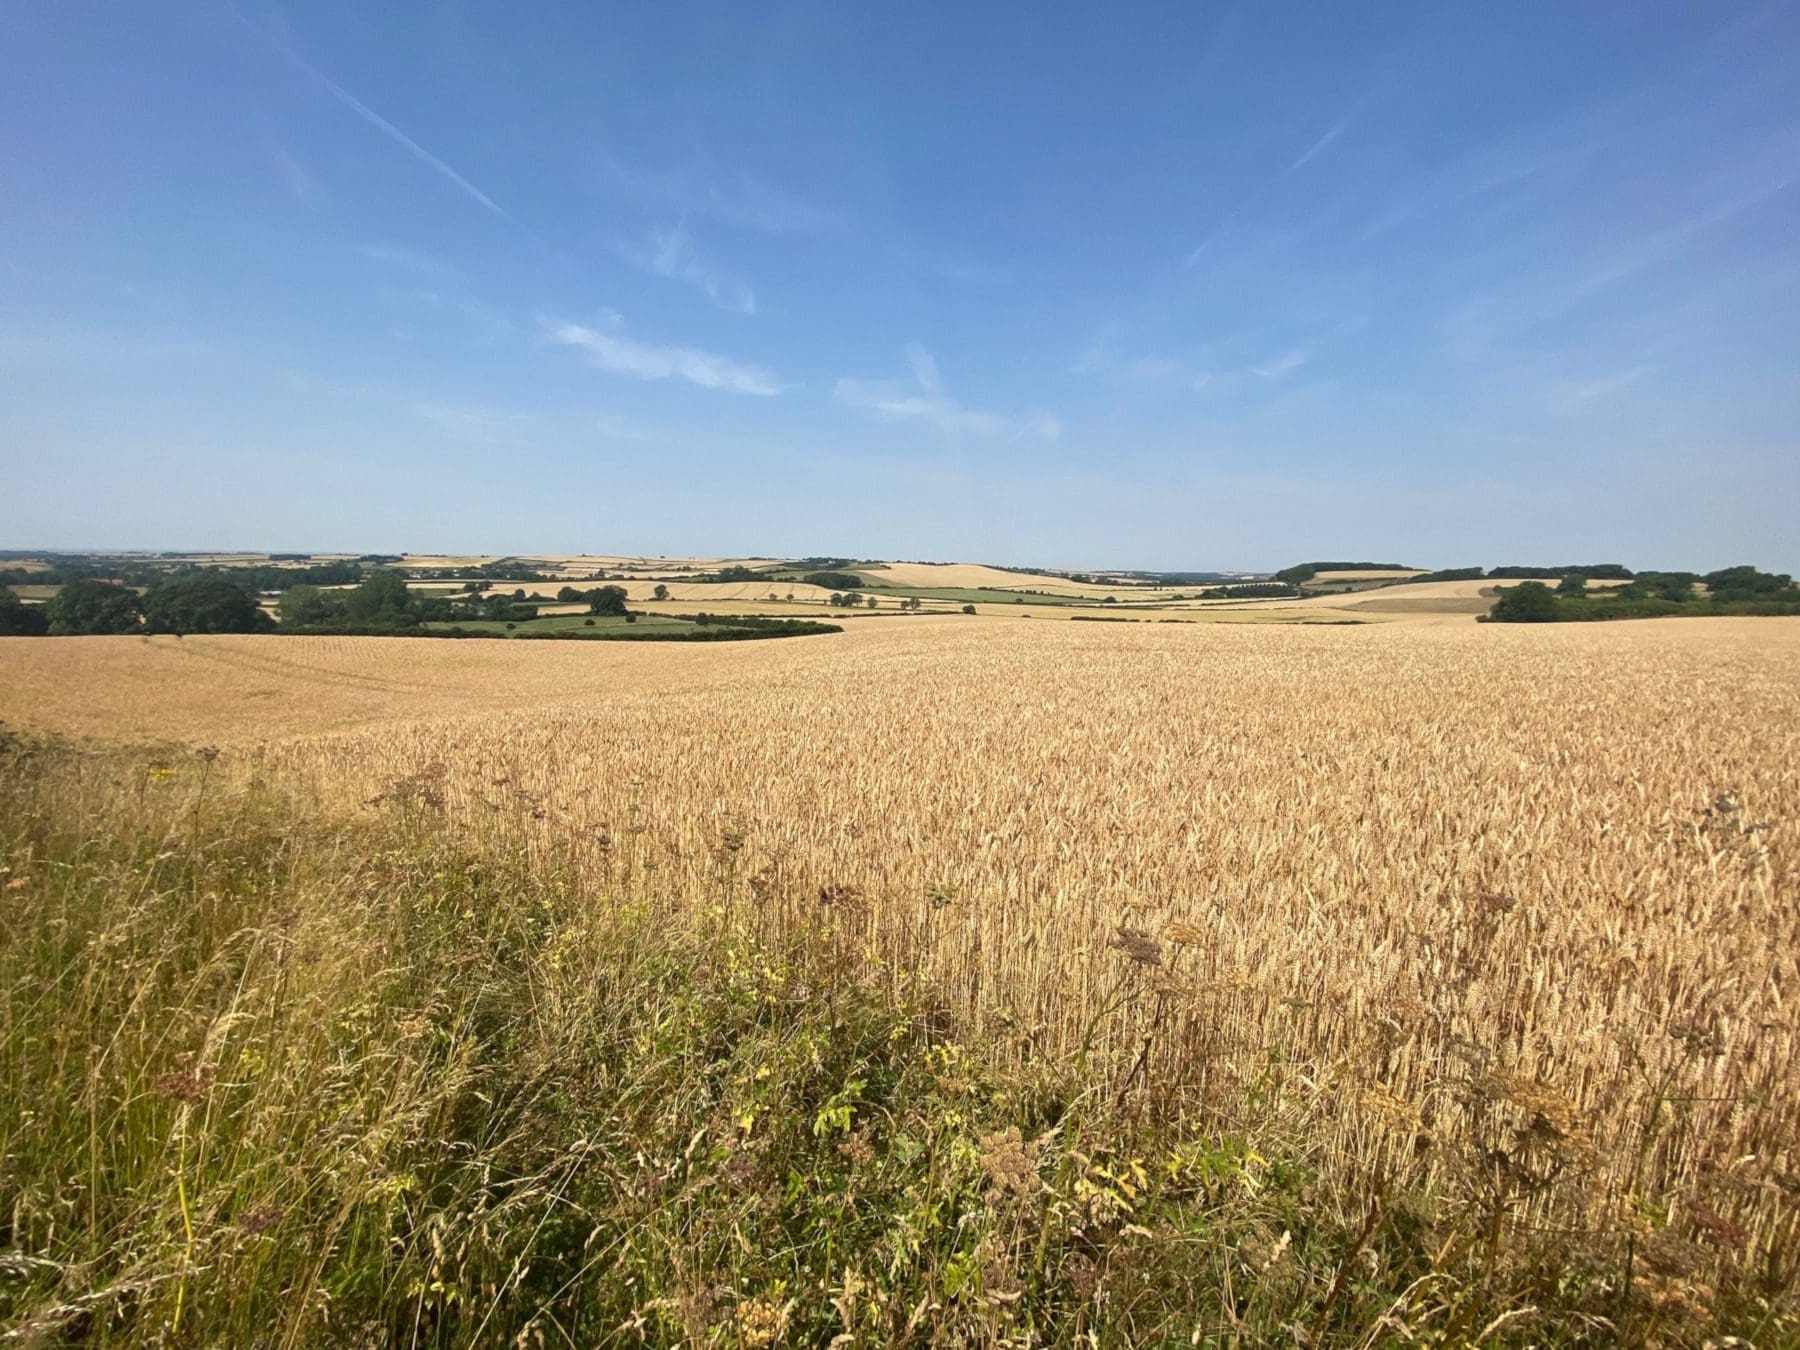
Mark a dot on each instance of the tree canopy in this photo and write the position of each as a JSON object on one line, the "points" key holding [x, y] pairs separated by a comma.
{"points": [[88, 607], [202, 602], [1528, 602], [18, 619], [382, 598]]}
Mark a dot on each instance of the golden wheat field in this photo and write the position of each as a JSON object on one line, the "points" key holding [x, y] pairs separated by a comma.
{"points": [[1523, 899]]}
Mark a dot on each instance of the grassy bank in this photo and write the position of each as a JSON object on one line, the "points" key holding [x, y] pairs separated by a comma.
{"points": [[276, 1079]]}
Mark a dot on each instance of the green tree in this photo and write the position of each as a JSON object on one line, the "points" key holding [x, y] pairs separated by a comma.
{"points": [[18, 619], [303, 606], [1746, 583], [1528, 602], [1572, 584], [382, 600], [1676, 586], [607, 600], [87, 607], [660, 593], [203, 602], [968, 609]]}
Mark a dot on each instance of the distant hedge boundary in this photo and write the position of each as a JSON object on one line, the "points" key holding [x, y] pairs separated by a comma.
{"points": [[1599, 611], [739, 632]]}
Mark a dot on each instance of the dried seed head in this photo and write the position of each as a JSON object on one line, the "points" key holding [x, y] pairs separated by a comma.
{"points": [[1138, 946], [260, 1219], [1698, 1038], [183, 1087]]}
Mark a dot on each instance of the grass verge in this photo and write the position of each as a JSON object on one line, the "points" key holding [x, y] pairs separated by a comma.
{"points": [[272, 1079]]}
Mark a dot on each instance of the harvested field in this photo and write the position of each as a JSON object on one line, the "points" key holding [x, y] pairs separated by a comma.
{"points": [[1420, 604], [1368, 574], [976, 575]]}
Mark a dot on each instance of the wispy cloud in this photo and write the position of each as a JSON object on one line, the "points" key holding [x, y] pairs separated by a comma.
{"points": [[616, 428], [1755, 185], [1567, 399], [1669, 261], [617, 354], [925, 400], [1283, 365], [733, 197], [393, 133], [1217, 232], [671, 254], [1222, 363], [410, 260], [1105, 358], [1260, 191], [299, 181], [471, 422], [1320, 146]]}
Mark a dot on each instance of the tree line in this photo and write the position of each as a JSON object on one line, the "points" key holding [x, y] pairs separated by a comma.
{"points": [[221, 602], [149, 573], [202, 602], [1742, 589]]}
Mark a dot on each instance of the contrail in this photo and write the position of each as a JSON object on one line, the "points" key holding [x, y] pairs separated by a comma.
{"points": [[393, 133]]}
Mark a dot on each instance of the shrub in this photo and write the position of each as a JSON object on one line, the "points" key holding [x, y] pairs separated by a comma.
{"points": [[1528, 602]]}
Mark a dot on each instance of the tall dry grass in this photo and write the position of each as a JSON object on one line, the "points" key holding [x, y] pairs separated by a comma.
{"points": [[275, 1079]]}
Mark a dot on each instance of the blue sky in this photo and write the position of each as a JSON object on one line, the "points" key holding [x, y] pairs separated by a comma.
{"points": [[1196, 285]]}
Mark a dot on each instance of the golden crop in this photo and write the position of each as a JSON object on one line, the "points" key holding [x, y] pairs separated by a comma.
{"points": [[1510, 913]]}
